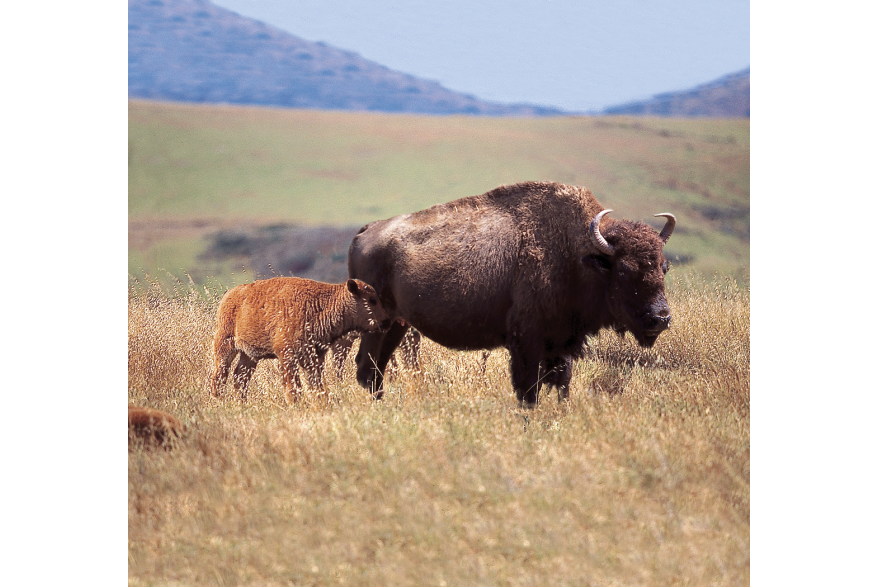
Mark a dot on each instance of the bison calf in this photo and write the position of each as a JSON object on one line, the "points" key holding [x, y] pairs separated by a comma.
{"points": [[291, 319], [152, 427]]}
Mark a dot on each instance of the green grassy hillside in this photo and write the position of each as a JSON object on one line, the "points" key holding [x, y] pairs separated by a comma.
{"points": [[195, 169]]}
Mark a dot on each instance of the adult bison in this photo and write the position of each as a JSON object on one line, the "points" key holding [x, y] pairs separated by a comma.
{"points": [[533, 267]]}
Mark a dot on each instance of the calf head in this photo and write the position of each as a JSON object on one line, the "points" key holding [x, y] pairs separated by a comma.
{"points": [[368, 313], [631, 264]]}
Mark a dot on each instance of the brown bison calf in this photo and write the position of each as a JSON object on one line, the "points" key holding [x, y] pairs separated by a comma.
{"points": [[291, 319], [153, 427]]}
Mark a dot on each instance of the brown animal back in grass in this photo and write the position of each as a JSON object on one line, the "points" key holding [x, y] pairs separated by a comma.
{"points": [[152, 427]]}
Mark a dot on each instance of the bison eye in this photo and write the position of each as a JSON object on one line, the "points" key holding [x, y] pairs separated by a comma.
{"points": [[599, 262], [665, 267]]}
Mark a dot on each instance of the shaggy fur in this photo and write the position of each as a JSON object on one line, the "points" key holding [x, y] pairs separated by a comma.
{"points": [[515, 268], [153, 427], [293, 319]]}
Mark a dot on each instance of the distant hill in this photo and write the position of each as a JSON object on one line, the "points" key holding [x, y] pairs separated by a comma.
{"points": [[194, 51], [726, 97]]}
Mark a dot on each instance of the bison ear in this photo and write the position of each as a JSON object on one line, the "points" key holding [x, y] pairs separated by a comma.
{"points": [[352, 286]]}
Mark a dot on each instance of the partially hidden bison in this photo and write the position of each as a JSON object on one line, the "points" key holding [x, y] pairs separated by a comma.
{"points": [[534, 267], [152, 427], [292, 319]]}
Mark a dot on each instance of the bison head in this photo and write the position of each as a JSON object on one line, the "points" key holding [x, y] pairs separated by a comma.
{"points": [[631, 264]]}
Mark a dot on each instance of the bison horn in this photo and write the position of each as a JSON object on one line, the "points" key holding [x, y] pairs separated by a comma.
{"points": [[597, 238], [668, 228]]}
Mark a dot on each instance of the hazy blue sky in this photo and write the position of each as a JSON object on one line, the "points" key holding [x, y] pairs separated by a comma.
{"points": [[574, 54]]}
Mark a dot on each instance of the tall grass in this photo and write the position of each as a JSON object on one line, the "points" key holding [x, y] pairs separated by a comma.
{"points": [[641, 478]]}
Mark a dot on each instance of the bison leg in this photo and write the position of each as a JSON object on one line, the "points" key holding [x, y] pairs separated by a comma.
{"points": [[558, 373], [483, 363], [243, 371], [409, 349], [375, 350], [524, 363], [223, 355], [407, 353]]}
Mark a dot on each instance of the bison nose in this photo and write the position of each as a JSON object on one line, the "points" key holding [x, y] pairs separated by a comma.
{"points": [[385, 324], [659, 321]]}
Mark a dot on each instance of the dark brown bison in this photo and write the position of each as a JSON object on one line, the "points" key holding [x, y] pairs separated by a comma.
{"points": [[153, 427], [532, 267], [290, 318]]}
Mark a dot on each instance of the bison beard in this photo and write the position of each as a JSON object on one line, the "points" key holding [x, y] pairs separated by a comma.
{"points": [[533, 267]]}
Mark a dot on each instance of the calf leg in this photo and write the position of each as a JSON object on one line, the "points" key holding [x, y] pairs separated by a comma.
{"points": [[340, 350], [223, 355], [243, 371], [291, 381], [314, 368]]}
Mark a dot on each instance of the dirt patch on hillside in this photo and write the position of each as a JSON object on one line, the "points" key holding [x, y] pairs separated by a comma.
{"points": [[145, 233], [314, 252]]}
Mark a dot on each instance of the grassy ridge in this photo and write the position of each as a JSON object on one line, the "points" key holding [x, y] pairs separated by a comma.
{"points": [[211, 166], [642, 478]]}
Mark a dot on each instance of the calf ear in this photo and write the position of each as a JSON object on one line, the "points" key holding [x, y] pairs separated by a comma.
{"points": [[353, 286]]}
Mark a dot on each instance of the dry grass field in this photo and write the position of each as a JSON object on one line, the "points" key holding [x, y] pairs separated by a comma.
{"points": [[641, 478]]}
